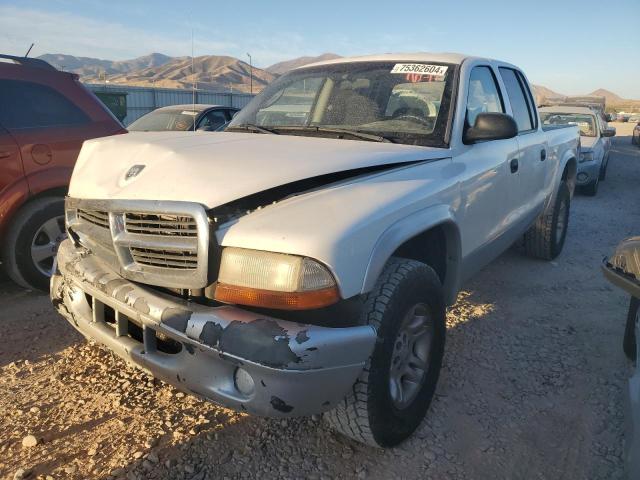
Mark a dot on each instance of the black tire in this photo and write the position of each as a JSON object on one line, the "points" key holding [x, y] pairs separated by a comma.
{"points": [[591, 189], [16, 250], [629, 344], [542, 239], [368, 414], [603, 169]]}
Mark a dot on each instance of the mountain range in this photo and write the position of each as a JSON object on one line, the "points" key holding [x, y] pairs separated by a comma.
{"points": [[213, 72]]}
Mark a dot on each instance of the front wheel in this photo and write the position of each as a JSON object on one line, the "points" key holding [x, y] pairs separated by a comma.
{"points": [[394, 391], [546, 237], [603, 168], [591, 190], [32, 242]]}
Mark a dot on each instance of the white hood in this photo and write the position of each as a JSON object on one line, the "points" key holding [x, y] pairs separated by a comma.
{"points": [[216, 168]]}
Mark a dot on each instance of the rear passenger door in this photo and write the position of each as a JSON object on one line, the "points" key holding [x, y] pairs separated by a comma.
{"points": [[532, 148]]}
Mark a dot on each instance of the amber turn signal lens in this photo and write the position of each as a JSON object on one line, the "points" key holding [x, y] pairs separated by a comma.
{"points": [[278, 300]]}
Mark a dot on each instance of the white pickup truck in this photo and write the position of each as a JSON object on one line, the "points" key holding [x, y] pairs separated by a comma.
{"points": [[302, 261]]}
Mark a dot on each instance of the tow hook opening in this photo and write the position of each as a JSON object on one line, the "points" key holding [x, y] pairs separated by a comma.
{"points": [[125, 326]]}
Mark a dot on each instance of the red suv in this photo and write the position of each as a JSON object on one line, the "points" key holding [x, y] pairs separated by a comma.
{"points": [[45, 115]]}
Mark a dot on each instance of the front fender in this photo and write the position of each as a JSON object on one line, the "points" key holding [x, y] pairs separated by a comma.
{"points": [[408, 227]]}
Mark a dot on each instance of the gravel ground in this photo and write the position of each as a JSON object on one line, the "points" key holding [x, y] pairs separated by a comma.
{"points": [[532, 386]]}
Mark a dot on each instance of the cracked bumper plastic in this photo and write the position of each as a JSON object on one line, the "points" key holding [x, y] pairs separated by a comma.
{"points": [[295, 369]]}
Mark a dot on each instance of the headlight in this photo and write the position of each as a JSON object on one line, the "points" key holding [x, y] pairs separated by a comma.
{"points": [[274, 280], [586, 156]]}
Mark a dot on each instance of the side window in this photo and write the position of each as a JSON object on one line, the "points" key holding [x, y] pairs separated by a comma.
{"points": [[530, 100], [484, 95], [230, 113], [519, 102], [213, 120], [27, 104]]}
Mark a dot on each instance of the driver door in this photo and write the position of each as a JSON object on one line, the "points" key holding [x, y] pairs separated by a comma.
{"points": [[491, 181]]}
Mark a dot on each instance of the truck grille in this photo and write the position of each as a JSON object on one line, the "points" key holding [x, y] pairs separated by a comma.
{"points": [[162, 225], [96, 217], [174, 259], [162, 243]]}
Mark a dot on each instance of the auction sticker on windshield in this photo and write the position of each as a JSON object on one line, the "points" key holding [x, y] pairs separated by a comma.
{"points": [[438, 70]]}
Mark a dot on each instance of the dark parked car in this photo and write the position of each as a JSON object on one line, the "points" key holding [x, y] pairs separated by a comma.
{"points": [[209, 118], [45, 115], [623, 270]]}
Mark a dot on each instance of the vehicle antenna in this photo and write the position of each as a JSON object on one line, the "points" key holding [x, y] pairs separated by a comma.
{"points": [[27, 54]]}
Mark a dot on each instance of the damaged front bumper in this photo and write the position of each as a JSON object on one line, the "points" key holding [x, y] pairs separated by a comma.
{"points": [[236, 358]]}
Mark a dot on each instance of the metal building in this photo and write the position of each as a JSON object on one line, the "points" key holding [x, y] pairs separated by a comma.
{"points": [[142, 100]]}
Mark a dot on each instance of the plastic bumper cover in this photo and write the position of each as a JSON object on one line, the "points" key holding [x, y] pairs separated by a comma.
{"points": [[290, 369]]}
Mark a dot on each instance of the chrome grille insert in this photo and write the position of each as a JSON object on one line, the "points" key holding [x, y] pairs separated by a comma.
{"points": [[156, 257], [96, 217], [162, 225], [164, 243]]}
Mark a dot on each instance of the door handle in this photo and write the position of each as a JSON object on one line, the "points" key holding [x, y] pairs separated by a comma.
{"points": [[543, 155], [514, 165], [5, 154]]}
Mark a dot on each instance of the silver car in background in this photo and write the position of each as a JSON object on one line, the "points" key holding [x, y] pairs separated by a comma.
{"points": [[594, 140]]}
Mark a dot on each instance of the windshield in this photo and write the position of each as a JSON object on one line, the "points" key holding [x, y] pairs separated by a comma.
{"points": [[163, 120], [399, 102], [586, 123]]}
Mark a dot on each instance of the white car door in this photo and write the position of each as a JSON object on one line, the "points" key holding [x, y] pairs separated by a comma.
{"points": [[489, 181], [532, 155]]}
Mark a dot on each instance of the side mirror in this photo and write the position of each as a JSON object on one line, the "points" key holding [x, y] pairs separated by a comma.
{"points": [[608, 117], [609, 132], [491, 126]]}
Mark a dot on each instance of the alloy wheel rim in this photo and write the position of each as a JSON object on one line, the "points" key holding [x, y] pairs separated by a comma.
{"points": [[411, 356], [44, 245]]}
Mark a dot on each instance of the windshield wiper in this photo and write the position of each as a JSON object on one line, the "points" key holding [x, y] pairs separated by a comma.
{"points": [[252, 128], [354, 133]]}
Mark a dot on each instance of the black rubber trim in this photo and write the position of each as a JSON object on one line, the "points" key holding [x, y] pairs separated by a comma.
{"points": [[619, 279]]}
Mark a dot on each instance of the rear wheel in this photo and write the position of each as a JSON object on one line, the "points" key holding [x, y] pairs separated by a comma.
{"points": [[629, 343], [394, 391], [32, 242], [546, 237]]}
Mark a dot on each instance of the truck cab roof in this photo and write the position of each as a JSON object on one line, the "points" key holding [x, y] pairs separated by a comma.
{"points": [[441, 57]]}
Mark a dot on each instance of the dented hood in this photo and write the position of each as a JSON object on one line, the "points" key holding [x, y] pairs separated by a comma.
{"points": [[216, 168]]}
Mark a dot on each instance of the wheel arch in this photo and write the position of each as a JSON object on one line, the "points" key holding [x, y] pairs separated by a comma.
{"points": [[430, 236], [60, 191]]}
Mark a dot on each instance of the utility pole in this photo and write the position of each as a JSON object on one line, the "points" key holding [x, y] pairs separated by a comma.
{"points": [[250, 73]]}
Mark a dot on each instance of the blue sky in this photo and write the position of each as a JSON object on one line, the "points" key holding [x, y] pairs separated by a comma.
{"points": [[570, 46]]}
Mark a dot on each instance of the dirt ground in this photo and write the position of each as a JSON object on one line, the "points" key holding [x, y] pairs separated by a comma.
{"points": [[532, 386]]}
